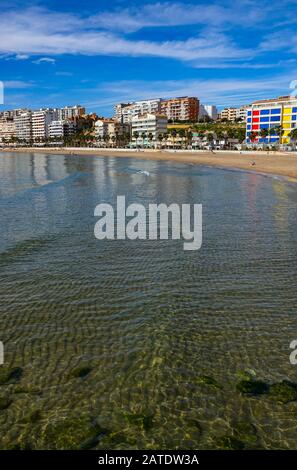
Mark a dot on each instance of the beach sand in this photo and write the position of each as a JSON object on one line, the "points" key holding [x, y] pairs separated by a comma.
{"points": [[277, 163]]}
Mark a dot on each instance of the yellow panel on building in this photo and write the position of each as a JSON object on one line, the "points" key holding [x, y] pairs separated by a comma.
{"points": [[286, 118], [287, 125], [287, 111]]}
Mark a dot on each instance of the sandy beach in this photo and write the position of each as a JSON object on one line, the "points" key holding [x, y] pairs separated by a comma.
{"points": [[277, 163]]}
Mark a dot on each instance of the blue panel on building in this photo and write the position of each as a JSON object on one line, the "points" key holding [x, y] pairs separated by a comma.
{"points": [[275, 118], [249, 113], [264, 126], [265, 111], [276, 111], [264, 119], [294, 110], [249, 119]]}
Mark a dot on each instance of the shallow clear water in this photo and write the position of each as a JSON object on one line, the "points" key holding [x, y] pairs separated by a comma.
{"points": [[146, 318]]}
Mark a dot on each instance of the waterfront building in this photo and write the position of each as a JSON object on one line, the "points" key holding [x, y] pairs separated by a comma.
{"points": [[181, 109], [70, 112], [275, 117], [60, 129], [234, 114], [148, 127], [23, 126], [7, 129], [228, 113], [125, 112], [241, 113], [111, 130], [40, 123]]}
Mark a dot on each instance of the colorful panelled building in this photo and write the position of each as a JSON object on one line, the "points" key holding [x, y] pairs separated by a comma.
{"points": [[271, 114]]}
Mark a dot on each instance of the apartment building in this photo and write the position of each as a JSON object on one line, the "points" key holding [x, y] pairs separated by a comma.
{"points": [[181, 109], [125, 112], [277, 117], [23, 126], [241, 113], [148, 127], [61, 129], [70, 112], [229, 114], [40, 123], [234, 114], [110, 129], [208, 111], [7, 129]]}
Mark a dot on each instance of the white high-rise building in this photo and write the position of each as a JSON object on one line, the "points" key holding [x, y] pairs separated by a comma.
{"points": [[241, 113], [70, 112], [208, 110], [7, 129], [40, 123], [126, 112], [23, 125], [60, 129], [148, 127]]}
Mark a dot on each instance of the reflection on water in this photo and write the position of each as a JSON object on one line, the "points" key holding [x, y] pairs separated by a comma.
{"points": [[138, 344]]}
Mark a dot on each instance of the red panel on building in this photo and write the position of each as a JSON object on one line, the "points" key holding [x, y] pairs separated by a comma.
{"points": [[256, 119], [255, 127], [256, 113]]}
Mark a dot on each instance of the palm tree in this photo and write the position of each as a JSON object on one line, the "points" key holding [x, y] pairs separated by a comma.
{"points": [[160, 139], [253, 136], [280, 132], [189, 137], [210, 138], [143, 136], [182, 134], [174, 134], [106, 139], [264, 134], [136, 136], [293, 137], [150, 137]]}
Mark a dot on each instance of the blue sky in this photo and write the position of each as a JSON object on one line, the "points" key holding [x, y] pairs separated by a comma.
{"points": [[98, 53]]}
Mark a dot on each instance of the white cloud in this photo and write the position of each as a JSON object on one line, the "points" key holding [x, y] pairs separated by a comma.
{"points": [[15, 84], [177, 14], [222, 92], [21, 57], [36, 32], [44, 60]]}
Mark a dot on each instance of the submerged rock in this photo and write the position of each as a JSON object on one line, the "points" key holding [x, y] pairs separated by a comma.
{"points": [[144, 421], [33, 417], [247, 433], [117, 439], [229, 443], [207, 380], [10, 375], [71, 434], [5, 402], [283, 392], [80, 372], [252, 387]]}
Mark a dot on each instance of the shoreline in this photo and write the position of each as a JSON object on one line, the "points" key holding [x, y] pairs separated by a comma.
{"points": [[274, 163]]}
